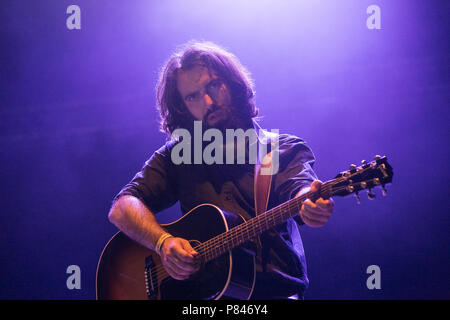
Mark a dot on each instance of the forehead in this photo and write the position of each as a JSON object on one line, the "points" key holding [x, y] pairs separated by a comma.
{"points": [[193, 79]]}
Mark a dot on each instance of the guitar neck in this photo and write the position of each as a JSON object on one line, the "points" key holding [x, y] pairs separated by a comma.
{"points": [[252, 228], [367, 176]]}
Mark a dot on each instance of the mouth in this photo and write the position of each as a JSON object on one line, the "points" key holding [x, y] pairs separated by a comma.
{"points": [[215, 115], [212, 115]]}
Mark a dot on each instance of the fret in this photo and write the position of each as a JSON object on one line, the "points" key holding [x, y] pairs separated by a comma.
{"points": [[252, 228]]}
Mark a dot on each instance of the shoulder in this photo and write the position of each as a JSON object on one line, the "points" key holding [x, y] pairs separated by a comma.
{"points": [[293, 152], [291, 143], [166, 148], [289, 139], [162, 156], [283, 140]]}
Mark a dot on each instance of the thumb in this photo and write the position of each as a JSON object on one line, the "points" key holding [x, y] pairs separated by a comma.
{"points": [[187, 246], [315, 186]]}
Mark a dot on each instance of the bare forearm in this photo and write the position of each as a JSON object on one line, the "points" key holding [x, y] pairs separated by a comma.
{"points": [[133, 218]]}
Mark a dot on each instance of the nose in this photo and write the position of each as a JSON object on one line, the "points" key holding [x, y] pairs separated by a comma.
{"points": [[208, 100]]}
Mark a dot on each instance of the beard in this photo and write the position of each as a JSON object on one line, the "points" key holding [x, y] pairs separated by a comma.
{"points": [[223, 117], [218, 117]]}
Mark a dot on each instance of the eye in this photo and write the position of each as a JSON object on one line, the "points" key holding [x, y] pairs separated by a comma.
{"points": [[190, 97], [215, 84]]}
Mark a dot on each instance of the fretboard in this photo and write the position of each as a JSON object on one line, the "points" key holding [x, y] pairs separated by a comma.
{"points": [[252, 228]]}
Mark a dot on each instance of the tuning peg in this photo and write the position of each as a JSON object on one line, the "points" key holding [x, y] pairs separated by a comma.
{"points": [[352, 167], [358, 200], [383, 190], [363, 162], [370, 195], [377, 157]]}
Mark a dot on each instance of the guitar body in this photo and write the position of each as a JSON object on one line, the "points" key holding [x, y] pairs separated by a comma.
{"points": [[127, 270]]}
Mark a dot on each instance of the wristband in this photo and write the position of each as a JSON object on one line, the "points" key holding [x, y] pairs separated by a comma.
{"points": [[160, 242]]}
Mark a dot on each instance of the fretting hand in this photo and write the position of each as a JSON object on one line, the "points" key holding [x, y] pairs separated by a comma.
{"points": [[316, 214]]}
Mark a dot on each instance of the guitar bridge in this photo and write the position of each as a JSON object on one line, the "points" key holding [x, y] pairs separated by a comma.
{"points": [[151, 284]]}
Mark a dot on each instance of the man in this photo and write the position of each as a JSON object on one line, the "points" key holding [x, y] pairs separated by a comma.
{"points": [[203, 82]]}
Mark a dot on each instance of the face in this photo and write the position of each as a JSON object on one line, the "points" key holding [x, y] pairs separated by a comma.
{"points": [[205, 95]]}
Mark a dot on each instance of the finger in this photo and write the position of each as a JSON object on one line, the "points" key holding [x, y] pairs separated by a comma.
{"points": [[187, 246], [185, 267], [314, 216], [312, 207], [309, 204], [174, 274], [329, 203], [323, 210], [182, 250], [317, 208], [318, 213], [310, 222], [180, 268], [184, 255], [315, 186], [172, 259], [175, 270]]}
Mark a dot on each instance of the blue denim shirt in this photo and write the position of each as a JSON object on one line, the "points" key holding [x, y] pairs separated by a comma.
{"points": [[281, 268]]}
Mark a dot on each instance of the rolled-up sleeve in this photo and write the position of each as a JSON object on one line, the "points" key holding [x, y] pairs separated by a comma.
{"points": [[155, 184]]}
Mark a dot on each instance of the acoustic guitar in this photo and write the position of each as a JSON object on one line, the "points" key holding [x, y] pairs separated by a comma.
{"points": [[224, 241]]}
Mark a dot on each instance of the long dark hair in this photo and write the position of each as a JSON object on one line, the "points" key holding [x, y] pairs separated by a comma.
{"points": [[174, 113]]}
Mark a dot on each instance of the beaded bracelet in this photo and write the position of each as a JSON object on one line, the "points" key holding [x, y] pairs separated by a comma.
{"points": [[160, 242]]}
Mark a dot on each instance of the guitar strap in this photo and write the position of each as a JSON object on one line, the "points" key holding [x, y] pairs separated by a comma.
{"points": [[262, 184], [264, 171]]}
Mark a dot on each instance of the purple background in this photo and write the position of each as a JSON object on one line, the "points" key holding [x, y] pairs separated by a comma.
{"points": [[78, 120]]}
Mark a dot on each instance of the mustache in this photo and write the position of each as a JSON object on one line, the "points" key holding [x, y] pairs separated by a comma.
{"points": [[213, 108]]}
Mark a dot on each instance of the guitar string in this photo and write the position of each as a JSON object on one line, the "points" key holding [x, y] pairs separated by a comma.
{"points": [[244, 233], [250, 225], [247, 227], [202, 251], [259, 224], [161, 272]]}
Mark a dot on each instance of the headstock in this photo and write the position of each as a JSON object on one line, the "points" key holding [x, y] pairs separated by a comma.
{"points": [[365, 177]]}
